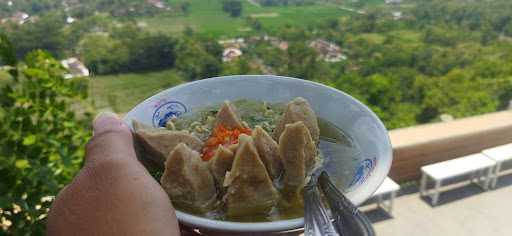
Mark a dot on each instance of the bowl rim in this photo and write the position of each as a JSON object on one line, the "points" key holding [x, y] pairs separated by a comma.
{"points": [[281, 225]]}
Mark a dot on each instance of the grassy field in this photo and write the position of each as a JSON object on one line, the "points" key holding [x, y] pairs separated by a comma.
{"points": [[122, 92], [300, 15], [375, 2], [207, 17], [372, 38], [353, 2]]}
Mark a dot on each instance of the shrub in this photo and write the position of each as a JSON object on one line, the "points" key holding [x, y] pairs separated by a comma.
{"points": [[43, 127]]}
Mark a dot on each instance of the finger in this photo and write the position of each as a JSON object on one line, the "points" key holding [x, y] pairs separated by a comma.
{"points": [[107, 121], [111, 141]]}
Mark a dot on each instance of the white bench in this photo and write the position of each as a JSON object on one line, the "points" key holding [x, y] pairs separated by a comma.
{"points": [[387, 188], [499, 154], [478, 165]]}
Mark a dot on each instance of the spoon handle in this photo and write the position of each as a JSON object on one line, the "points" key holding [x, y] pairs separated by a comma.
{"points": [[316, 219], [348, 220]]}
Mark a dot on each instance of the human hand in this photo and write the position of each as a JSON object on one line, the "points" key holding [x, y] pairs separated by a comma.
{"points": [[113, 194]]}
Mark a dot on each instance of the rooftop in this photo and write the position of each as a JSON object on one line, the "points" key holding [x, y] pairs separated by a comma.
{"points": [[75, 67], [328, 51], [20, 17], [230, 53]]}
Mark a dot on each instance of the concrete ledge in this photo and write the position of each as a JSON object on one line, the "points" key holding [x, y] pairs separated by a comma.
{"points": [[420, 145]]}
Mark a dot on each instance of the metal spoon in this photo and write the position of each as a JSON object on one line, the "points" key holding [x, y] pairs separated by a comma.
{"points": [[316, 219], [348, 220]]}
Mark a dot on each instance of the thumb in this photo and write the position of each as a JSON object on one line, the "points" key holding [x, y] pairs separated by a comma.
{"points": [[112, 140]]}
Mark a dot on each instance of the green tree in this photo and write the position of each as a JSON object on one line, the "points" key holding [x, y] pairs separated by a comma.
{"points": [[508, 30], [82, 11], [102, 54], [151, 52], [93, 24], [383, 95], [211, 46], [333, 23], [8, 55], [488, 35], [240, 66], [185, 7], [302, 61], [254, 23], [365, 23], [291, 33], [126, 49], [188, 31], [273, 57], [126, 32], [457, 94], [437, 35], [194, 61], [233, 7], [46, 34], [42, 143]]}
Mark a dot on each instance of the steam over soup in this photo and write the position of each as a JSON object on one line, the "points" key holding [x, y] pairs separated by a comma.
{"points": [[240, 161]]}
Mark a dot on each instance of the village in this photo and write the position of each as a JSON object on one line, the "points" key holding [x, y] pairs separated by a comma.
{"points": [[233, 48]]}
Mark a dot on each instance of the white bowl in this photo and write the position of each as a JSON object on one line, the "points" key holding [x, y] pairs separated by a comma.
{"points": [[355, 119]]}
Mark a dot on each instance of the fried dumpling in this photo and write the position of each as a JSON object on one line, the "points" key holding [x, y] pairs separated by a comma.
{"points": [[221, 163], [298, 153], [187, 179], [145, 159], [309, 149], [250, 190], [158, 143], [268, 151], [227, 117], [299, 110], [140, 126]]}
